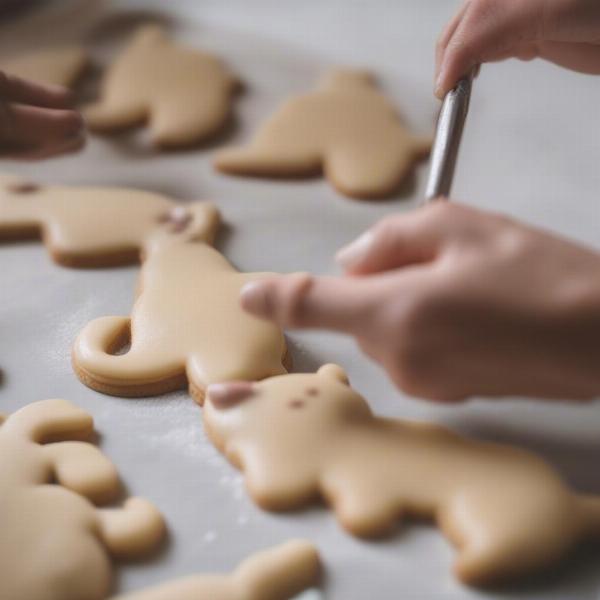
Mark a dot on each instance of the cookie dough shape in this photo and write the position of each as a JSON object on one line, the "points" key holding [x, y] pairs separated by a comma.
{"points": [[346, 128], [300, 437], [52, 66], [55, 543], [184, 94], [276, 574], [186, 325], [83, 226]]}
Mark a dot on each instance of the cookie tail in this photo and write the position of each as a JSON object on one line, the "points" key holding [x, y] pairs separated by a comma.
{"points": [[281, 572], [590, 507], [135, 373], [132, 530]]}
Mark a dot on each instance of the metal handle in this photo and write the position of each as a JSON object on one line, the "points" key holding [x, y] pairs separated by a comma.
{"points": [[447, 139]]}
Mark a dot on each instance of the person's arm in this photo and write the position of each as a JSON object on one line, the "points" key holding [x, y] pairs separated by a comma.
{"points": [[566, 32], [36, 121], [454, 302]]}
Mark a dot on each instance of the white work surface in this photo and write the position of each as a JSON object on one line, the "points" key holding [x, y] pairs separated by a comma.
{"points": [[532, 149]]}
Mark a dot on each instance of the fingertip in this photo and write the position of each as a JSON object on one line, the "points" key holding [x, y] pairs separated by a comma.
{"points": [[254, 298], [58, 96], [75, 123], [351, 255]]}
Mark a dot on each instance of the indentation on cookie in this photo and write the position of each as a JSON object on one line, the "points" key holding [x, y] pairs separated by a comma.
{"points": [[23, 187], [296, 403], [227, 395], [178, 218], [312, 391]]}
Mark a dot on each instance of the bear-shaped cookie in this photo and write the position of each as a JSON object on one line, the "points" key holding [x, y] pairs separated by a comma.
{"points": [[275, 574], [55, 544], [187, 324], [52, 66], [301, 437], [184, 94], [84, 226], [346, 128]]}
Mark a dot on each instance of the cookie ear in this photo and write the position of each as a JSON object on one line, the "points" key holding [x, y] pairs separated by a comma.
{"points": [[205, 222], [150, 35], [347, 79], [334, 372], [195, 222], [226, 395]]}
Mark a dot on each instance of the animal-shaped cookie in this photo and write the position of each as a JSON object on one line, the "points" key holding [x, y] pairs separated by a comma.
{"points": [[346, 128], [84, 226], [186, 325], [52, 66], [275, 574], [55, 544], [300, 437], [184, 94]]}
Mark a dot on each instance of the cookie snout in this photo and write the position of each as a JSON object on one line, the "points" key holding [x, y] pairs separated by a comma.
{"points": [[227, 395]]}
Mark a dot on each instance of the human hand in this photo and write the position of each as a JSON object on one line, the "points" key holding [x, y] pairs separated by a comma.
{"points": [[37, 121], [454, 302], [566, 32]]}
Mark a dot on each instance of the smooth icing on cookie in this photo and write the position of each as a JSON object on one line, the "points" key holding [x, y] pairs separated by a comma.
{"points": [[301, 437], [52, 66], [276, 574], [346, 128], [83, 226], [184, 94], [54, 543], [187, 324]]}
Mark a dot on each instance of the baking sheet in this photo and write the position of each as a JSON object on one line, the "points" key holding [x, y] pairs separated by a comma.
{"points": [[531, 149]]}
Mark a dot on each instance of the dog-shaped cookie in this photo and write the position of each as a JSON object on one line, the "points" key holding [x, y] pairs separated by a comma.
{"points": [[55, 544], [185, 95], [346, 128], [275, 574], [187, 324], [83, 226], [299, 437]]}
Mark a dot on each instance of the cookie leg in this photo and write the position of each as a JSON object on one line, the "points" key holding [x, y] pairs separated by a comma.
{"points": [[176, 122], [510, 538], [113, 114], [84, 469], [367, 172], [279, 573], [366, 514], [133, 530], [269, 160]]}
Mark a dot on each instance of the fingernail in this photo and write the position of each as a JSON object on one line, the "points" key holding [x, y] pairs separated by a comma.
{"points": [[77, 127], [254, 298], [354, 252], [437, 88]]}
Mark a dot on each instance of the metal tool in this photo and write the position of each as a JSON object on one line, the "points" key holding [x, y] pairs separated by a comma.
{"points": [[447, 139]]}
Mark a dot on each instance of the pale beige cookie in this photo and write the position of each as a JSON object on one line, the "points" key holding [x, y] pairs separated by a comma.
{"points": [[346, 128], [301, 437], [54, 543], [184, 94], [276, 574], [83, 226], [53, 66], [187, 324]]}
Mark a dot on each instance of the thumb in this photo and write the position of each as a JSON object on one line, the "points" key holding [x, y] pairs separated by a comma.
{"points": [[301, 301]]}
